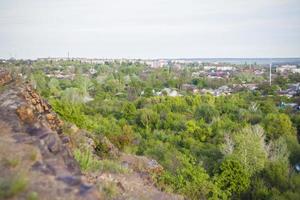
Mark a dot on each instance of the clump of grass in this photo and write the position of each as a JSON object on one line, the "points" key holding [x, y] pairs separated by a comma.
{"points": [[86, 160], [11, 162], [33, 155], [109, 190], [112, 167], [32, 196], [89, 162], [10, 187]]}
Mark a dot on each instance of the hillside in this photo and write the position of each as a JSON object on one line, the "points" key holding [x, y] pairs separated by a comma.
{"points": [[37, 156], [126, 130]]}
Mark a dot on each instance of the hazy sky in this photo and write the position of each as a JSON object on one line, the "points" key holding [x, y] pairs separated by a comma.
{"points": [[149, 28]]}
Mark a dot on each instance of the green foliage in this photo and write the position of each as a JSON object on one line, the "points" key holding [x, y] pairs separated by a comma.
{"points": [[233, 177], [277, 174], [87, 161], [72, 96], [148, 118], [54, 87], [200, 131], [206, 112], [210, 147], [73, 113], [39, 81], [32, 196], [249, 149], [294, 149], [277, 125], [191, 180]]}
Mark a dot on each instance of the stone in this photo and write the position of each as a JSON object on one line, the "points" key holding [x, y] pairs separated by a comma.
{"points": [[53, 144], [50, 116], [26, 114], [39, 108], [33, 101], [70, 180], [5, 77]]}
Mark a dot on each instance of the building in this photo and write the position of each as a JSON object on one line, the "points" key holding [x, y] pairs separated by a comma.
{"points": [[286, 68]]}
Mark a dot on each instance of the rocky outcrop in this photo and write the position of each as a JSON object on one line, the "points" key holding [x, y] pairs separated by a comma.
{"points": [[5, 77], [33, 156], [41, 108]]}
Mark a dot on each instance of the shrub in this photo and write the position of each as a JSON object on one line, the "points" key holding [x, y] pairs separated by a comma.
{"points": [[233, 177]]}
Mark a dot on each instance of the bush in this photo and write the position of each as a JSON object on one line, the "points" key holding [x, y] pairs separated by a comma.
{"points": [[233, 177]]}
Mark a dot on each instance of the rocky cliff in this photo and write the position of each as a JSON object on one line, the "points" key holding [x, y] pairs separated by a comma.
{"points": [[35, 162]]}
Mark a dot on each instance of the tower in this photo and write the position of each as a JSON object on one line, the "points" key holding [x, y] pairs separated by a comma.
{"points": [[270, 76]]}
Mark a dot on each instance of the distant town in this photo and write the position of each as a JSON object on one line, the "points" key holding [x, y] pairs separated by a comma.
{"points": [[224, 77]]}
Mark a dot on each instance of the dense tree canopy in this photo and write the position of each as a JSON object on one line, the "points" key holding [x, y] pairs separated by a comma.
{"points": [[240, 146]]}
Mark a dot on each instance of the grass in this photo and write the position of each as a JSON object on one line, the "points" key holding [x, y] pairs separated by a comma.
{"points": [[32, 196], [11, 162], [89, 163], [33, 155], [112, 167], [10, 187], [86, 160], [109, 190]]}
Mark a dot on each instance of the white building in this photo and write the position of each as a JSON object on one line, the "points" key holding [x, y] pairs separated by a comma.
{"points": [[225, 68], [209, 67], [286, 68]]}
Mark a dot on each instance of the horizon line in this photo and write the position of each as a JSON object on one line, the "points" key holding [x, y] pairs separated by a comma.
{"points": [[158, 58]]}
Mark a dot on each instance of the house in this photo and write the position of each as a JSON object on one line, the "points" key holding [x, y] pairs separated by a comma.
{"points": [[250, 86], [225, 68], [92, 71], [168, 92], [293, 89], [297, 70], [285, 68], [223, 90], [208, 68], [189, 87]]}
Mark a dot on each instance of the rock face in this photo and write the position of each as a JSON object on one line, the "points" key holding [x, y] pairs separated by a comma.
{"points": [[5, 77], [41, 108], [34, 162]]}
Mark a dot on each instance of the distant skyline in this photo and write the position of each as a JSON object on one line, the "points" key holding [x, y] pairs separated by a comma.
{"points": [[150, 29]]}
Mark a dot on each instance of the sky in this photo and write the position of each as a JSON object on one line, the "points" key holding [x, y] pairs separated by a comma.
{"points": [[149, 28]]}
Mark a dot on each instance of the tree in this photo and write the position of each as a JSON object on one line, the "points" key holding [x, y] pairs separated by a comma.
{"points": [[249, 148], [233, 178], [72, 95], [129, 111], [54, 87], [277, 174], [206, 112], [83, 84], [199, 130], [148, 118], [277, 125], [39, 81]]}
